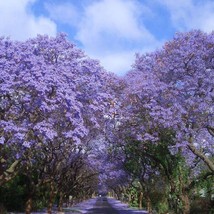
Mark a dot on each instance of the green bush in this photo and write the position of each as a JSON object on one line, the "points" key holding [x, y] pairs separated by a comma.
{"points": [[12, 195]]}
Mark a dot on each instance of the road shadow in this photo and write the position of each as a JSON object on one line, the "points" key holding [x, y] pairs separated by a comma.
{"points": [[102, 207]]}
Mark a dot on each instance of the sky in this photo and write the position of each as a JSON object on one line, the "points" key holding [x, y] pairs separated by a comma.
{"points": [[111, 31]]}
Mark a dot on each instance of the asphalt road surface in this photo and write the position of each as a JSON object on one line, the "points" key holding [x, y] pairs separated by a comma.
{"points": [[102, 207]]}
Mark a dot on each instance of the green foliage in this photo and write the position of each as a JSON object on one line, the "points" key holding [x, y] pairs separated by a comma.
{"points": [[12, 194], [203, 200], [162, 207], [132, 194], [40, 198], [133, 157]]}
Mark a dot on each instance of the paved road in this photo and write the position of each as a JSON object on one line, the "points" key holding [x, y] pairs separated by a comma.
{"points": [[102, 207]]}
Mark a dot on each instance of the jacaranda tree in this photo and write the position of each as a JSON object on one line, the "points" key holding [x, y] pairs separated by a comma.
{"points": [[66, 122], [51, 96], [171, 90]]}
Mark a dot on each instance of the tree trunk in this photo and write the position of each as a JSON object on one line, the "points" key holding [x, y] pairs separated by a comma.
{"points": [[173, 204], [31, 190], [130, 198], [149, 204], [10, 173], [185, 203], [202, 156], [140, 200], [28, 205], [61, 197], [51, 198]]}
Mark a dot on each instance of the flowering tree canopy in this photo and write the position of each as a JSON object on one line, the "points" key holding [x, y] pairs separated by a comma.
{"points": [[68, 123], [49, 92], [173, 88]]}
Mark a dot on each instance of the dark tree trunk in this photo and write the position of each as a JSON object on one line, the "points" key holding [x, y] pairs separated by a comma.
{"points": [[185, 202], [51, 198], [149, 204], [61, 198], [28, 205], [31, 191]]}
